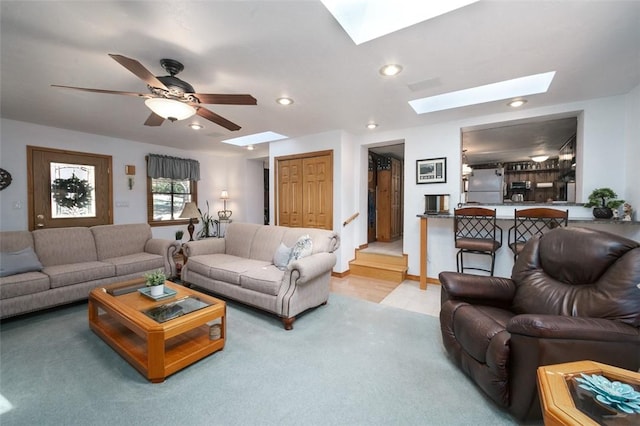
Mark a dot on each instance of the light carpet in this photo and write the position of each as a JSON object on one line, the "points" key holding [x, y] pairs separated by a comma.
{"points": [[350, 362]]}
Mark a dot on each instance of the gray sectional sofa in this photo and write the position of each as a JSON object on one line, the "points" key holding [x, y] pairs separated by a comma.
{"points": [[75, 260], [241, 266]]}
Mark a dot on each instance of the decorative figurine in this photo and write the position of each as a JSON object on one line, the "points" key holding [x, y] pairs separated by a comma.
{"points": [[627, 210], [615, 214]]}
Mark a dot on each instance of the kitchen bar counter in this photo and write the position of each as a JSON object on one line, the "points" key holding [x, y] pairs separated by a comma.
{"points": [[501, 216]]}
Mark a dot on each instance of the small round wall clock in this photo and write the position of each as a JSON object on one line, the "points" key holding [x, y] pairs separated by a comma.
{"points": [[5, 179]]}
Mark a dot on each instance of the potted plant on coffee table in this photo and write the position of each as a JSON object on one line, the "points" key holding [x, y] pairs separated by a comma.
{"points": [[155, 281], [603, 202]]}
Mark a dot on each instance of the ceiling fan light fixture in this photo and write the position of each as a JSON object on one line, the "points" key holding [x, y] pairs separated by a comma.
{"points": [[170, 109]]}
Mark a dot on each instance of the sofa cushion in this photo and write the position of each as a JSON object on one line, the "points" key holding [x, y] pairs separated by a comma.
{"points": [[113, 241], [240, 237], [64, 246], [23, 284], [231, 272], [202, 263], [266, 279], [18, 262], [134, 263], [265, 242], [281, 257], [74, 273], [15, 240]]}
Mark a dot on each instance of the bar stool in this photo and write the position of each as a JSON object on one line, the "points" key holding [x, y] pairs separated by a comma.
{"points": [[531, 222], [475, 232]]}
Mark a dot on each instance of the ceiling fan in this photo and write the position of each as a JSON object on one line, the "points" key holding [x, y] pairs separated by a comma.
{"points": [[171, 98]]}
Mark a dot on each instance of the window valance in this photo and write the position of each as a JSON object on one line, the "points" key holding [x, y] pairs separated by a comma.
{"points": [[164, 166]]}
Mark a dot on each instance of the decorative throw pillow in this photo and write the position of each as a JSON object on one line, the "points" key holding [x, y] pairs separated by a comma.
{"points": [[17, 262], [302, 248], [281, 257]]}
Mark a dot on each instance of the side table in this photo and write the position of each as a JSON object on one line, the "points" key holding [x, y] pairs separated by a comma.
{"points": [[563, 403]]}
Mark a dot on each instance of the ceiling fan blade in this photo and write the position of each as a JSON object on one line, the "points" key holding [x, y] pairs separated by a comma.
{"points": [[212, 116], [154, 120], [226, 99], [139, 70], [110, 92]]}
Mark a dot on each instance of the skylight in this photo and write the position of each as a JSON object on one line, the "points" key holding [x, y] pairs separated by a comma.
{"points": [[365, 20], [255, 139], [529, 85]]}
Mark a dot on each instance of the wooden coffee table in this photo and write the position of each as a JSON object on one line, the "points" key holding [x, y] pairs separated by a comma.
{"points": [[561, 405], [155, 349]]}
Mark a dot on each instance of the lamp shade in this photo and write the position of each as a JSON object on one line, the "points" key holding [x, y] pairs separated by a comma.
{"points": [[190, 211], [224, 195], [170, 109]]}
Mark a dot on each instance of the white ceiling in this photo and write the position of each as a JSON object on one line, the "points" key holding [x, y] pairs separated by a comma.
{"points": [[295, 48]]}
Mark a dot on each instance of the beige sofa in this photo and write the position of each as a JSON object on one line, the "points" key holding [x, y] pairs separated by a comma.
{"points": [[76, 260], [240, 266]]}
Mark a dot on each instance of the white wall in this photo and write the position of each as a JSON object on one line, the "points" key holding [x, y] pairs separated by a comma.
{"points": [[632, 152], [235, 174]]}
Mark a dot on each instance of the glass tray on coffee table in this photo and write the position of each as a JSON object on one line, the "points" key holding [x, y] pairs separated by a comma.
{"points": [[169, 311]]}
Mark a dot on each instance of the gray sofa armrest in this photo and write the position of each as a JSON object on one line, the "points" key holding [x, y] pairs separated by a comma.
{"points": [[306, 269], [206, 246], [167, 249]]}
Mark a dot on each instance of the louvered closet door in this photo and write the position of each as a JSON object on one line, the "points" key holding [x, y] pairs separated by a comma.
{"points": [[290, 192], [305, 190]]}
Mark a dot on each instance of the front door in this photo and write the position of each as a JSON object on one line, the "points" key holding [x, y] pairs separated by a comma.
{"points": [[68, 188]]}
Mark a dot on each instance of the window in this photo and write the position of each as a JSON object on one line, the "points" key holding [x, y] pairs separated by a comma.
{"points": [[171, 183]]}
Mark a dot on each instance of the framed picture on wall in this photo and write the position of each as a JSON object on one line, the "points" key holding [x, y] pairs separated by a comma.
{"points": [[431, 170]]}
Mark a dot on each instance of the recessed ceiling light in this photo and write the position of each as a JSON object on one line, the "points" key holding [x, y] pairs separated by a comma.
{"points": [[390, 70], [523, 86], [517, 103], [196, 126], [284, 101], [372, 126], [540, 158], [250, 147], [255, 139]]}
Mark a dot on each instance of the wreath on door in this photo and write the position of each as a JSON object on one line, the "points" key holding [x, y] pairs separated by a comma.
{"points": [[71, 193]]}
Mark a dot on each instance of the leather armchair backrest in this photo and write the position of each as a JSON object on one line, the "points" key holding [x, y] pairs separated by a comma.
{"points": [[579, 272]]}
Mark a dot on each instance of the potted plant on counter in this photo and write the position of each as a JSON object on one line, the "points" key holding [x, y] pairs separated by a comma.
{"points": [[179, 235], [603, 202], [155, 281]]}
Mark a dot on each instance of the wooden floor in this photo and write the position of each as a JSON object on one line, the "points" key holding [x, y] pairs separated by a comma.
{"points": [[363, 288]]}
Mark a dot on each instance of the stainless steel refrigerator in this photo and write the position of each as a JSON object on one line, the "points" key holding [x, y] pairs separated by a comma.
{"points": [[486, 186]]}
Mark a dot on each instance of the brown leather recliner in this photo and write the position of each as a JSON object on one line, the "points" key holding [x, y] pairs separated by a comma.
{"points": [[574, 294]]}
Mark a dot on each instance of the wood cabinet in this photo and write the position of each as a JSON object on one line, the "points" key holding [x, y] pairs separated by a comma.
{"points": [[305, 190]]}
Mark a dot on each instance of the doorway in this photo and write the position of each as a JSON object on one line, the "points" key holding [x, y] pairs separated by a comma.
{"points": [[385, 196]]}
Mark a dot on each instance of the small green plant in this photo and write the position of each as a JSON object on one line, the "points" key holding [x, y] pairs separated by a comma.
{"points": [[155, 278], [209, 224], [179, 235], [604, 197]]}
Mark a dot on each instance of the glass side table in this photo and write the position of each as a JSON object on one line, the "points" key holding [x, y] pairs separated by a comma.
{"points": [[563, 402]]}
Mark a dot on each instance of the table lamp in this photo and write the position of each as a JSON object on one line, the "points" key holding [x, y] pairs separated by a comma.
{"points": [[190, 212], [224, 214]]}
